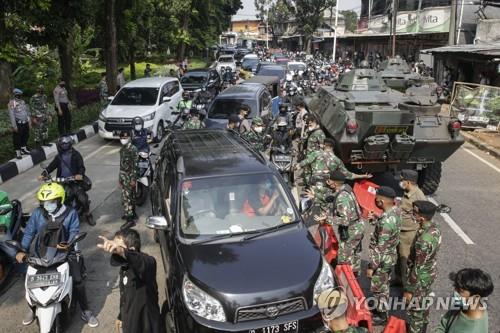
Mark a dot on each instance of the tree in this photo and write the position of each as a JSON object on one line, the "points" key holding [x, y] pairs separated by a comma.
{"points": [[277, 15], [350, 19], [111, 46], [309, 16]]}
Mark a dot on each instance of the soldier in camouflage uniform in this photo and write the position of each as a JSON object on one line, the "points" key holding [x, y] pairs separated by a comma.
{"points": [[193, 121], [347, 216], [128, 178], [255, 136], [422, 266], [41, 117], [103, 90], [313, 146], [383, 250]]}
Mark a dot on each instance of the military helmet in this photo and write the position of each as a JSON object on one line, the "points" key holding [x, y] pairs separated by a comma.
{"points": [[257, 121], [51, 191]]}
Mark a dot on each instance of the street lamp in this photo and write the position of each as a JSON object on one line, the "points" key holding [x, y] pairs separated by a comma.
{"points": [[335, 30]]}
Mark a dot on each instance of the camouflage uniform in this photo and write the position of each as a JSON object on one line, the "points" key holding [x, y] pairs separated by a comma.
{"points": [[38, 104], [314, 142], [255, 139], [128, 173], [103, 92], [422, 273], [334, 163], [347, 215], [322, 162], [383, 254], [192, 123]]}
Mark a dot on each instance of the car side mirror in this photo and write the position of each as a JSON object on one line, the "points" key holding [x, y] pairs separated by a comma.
{"points": [[157, 223], [110, 98], [166, 99], [305, 204]]}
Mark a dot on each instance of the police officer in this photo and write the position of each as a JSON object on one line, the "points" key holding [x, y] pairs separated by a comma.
{"points": [[255, 136], [383, 250], [20, 123], [409, 227], [103, 90], [422, 265], [140, 135], [61, 101], [193, 121], [41, 118], [128, 178]]}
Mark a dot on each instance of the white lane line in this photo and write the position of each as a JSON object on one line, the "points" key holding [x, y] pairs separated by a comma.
{"points": [[483, 160], [453, 225], [31, 193]]}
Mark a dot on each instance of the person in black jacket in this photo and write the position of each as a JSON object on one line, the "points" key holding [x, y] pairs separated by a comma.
{"points": [[69, 163], [139, 310]]}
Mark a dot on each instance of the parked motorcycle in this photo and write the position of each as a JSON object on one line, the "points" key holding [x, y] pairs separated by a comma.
{"points": [[145, 177], [49, 284]]}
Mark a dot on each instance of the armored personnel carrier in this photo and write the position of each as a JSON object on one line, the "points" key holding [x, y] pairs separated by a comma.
{"points": [[397, 74], [377, 129]]}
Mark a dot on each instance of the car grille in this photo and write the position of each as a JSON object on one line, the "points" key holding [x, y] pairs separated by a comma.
{"points": [[118, 124], [270, 310]]}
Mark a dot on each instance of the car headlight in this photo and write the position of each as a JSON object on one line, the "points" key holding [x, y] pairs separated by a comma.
{"points": [[149, 117], [102, 117], [202, 304], [325, 281]]}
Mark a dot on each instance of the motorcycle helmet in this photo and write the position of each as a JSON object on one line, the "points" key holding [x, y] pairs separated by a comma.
{"points": [[364, 64], [138, 123], [51, 191], [64, 143]]}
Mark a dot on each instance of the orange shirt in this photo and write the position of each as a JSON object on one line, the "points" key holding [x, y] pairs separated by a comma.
{"points": [[249, 211]]}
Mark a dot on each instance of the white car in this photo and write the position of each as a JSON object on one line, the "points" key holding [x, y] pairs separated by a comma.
{"points": [[153, 99], [293, 66], [226, 61]]}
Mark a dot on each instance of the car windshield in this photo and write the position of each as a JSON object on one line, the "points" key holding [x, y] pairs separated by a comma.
{"points": [[267, 71], [223, 107], [136, 96], [296, 67], [249, 62], [226, 59], [233, 204], [194, 78]]}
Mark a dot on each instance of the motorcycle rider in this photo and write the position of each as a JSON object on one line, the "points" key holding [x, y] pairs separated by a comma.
{"points": [[69, 163], [53, 210], [255, 136], [203, 96], [140, 135], [185, 103], [281, 135]]}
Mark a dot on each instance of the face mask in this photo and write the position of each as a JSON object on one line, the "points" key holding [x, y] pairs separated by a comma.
{"points": [[311, 128], [138, 127], [459, 301], [124, 141], [402, 185], [50, 206], [258, 129]]}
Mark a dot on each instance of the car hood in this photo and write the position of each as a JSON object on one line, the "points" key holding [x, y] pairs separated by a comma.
{"points": [[128, 111], [270, 268]]}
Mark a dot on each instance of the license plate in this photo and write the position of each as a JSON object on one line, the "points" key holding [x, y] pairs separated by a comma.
{"points": [[391, 129], [282, 158], [43, 280], [291, 327], [143, 165]]}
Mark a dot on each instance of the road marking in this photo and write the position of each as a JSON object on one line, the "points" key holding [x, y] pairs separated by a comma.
{"points": [[453, 225], [31, 193], [482, 160]]}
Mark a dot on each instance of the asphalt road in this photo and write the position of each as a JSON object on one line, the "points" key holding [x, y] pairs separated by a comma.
{"points": [[470, 186]]}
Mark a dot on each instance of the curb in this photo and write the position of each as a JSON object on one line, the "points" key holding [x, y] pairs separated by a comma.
{"points": [[15, 167], [481, 145]]}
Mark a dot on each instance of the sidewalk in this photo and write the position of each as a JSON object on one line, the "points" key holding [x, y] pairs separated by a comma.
{"points": [[484, 140]]}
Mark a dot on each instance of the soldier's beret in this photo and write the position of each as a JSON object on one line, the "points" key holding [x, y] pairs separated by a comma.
{"points": [[425, 207], [329, 141], [257, 121], [337, 175], [410, 175], [386, 191]]}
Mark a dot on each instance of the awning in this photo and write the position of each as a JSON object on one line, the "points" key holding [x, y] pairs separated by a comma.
{"points": [[492, 49]]}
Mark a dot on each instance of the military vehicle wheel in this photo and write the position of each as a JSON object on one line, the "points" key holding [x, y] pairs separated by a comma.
{"points": [[429, 178]]}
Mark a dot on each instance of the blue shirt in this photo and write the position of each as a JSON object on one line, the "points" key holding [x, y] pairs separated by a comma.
{"points": [[276, 104]]}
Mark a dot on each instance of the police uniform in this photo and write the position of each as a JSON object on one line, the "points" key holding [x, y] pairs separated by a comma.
{"points": [[20, 121], [41, 119]]}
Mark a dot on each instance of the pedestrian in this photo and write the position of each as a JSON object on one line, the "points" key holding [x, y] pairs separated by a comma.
{"points": [[172, 73], [300, 124], [408, 183], [243, 114], [41, 117], [347, 216], [20, 123], [383, 250], [139, 310], [422, 267], [61, 101], [103, 90], [256, 136], [332, 304], [469, 311], [120, 79], [127, 178], [148, 70], [233, 122]]}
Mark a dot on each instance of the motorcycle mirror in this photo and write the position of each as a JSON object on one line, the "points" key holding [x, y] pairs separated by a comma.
{"points": [[14, 244], [78, 237]]}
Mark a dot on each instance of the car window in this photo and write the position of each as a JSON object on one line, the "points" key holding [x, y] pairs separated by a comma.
{"points": [[233, 204], [267, 71], [194, 78], [170, 89], [136, 96], [221, 108], [174, 88], [226, 59]]}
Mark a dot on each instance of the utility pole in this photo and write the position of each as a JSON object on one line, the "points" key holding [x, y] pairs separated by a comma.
{"points": [[267, 28], [453, 24], [459, 28], [335, 32], [395, 4]]}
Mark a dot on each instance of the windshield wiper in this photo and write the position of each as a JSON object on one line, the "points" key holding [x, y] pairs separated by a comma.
{"points": [[269, 230], [217, 237]]}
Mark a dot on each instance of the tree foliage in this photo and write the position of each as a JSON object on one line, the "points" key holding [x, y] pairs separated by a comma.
{"points": [[350, 19], [277, 13]]}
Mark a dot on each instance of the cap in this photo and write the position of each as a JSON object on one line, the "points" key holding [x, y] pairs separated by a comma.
{"points": [[410, 175], [425, 207], [332, 303], [257, 121], [17, 91], [386, 191], [337, 175]]}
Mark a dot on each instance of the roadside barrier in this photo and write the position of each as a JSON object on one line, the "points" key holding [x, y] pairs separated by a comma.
{"points": [[395, 325]]}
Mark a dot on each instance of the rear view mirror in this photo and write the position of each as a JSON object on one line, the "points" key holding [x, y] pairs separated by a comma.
{"points": [[157, 223], [165, 99]]}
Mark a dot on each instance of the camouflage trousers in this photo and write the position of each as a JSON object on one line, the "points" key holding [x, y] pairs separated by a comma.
{"points": [[350, 250], [128, 193], [41, 130], [380, 284], [418, 313]]}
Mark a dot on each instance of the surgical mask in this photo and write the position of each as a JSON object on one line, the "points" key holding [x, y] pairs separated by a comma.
{"points": [[124, 141], [311, 128], [402, 185], [50, 206], [459, 302], [138, 127], [258, 129]]}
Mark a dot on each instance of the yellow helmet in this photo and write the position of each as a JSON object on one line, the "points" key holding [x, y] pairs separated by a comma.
{"points": [[51, 191]]}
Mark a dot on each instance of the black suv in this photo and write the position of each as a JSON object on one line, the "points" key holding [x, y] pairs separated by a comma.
{"points": [[236, 253], [196, 79]]}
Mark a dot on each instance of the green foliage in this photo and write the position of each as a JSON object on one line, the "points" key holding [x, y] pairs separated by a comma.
{"points": [[351, 20], [277, 16]]}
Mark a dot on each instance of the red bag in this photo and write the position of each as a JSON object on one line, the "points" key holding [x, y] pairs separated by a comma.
{"points": [[365, 192], [327, 241]]}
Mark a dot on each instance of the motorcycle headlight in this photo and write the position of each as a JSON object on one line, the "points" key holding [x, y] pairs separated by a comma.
{"points": [[102, 117], [149, 117], [325, 281], [202, 304]]}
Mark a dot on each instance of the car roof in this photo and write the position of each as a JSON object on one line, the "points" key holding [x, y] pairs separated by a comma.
{"points": [[296, 63], [215, 152], [150, 82], [251, 56], [242, 91]]}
